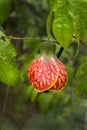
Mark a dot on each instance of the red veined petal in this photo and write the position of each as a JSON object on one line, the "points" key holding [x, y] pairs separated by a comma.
{"points": [[62, 76], [44, 75]]}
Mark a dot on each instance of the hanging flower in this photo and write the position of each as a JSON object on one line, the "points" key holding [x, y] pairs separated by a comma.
{"points": [[47, 72]]}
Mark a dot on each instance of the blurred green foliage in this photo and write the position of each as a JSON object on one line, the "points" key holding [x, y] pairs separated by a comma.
{"points": [[25, 108]]}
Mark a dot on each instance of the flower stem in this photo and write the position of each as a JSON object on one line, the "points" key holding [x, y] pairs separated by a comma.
{"points": [[60, 52]]}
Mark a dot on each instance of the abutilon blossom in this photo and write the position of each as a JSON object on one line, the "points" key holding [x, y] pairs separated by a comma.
{"points": [[47, 72]]}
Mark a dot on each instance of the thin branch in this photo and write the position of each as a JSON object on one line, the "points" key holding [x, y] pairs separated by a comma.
{"points": [[19, 38], [34, 38], [27, 38]]}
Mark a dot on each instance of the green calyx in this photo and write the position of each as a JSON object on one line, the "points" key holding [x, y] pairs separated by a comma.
{"points": [[47, 49]]}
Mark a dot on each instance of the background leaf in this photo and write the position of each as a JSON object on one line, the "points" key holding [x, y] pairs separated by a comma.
{"points": [[9, 73], [5, 6], [81, 80]]}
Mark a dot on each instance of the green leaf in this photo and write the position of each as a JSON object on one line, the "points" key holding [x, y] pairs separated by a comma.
{"points": [[78, 10], [81, 80], [7, 52], [62, 24], [9, 74], [5, 6]]}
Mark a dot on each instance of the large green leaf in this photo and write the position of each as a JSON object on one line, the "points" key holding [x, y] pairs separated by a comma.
{"points": [[68, 20], [9, 73], [5, 6], [81, 80], [62, 24]]}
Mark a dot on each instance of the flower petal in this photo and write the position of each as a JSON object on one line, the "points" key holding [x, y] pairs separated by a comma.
{"points": [[44, 75], [31, 70], [62, 76]]}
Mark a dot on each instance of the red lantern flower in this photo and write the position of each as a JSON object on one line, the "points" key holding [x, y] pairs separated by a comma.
{"points": [[47, 72]]}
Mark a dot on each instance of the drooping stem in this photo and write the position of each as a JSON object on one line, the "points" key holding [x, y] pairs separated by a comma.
{"points": [[60, 52]]}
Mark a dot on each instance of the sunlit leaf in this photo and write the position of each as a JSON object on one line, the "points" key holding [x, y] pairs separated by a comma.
{"points": [[62, 24], [7, 52], [9, 73]]}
